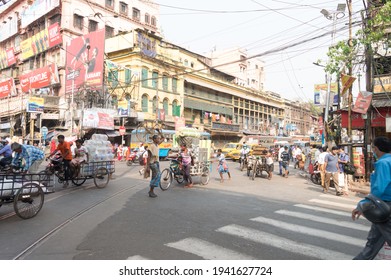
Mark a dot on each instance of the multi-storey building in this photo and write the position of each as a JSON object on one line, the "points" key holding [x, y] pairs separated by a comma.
{"points": [[35, 34], [298, 119]]}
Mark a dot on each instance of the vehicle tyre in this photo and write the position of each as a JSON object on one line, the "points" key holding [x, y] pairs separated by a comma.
{"points": [[101, 177], [315, 178], [205, 176], [78, 181], [165, 179], [129, 163], [28, 201]]}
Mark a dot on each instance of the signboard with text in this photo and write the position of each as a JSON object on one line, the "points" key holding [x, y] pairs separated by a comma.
{"points": [[98, 118], [35, 105], [320, 94], [7, 88], [7, 58], [40, 78]]}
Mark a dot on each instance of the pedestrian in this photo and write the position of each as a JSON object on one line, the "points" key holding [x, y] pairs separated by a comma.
{"points": [[143, 159], [313, 153], [185, 159], [324, 151], [280, 159], [153, 163], [380, 187], [269, 164], [32, 156], [222, 166], [119, 152], [343, 158], [285, 162], [332, 171]]}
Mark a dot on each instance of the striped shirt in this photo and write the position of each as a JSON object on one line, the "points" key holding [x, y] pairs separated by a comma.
{"points": [[30, 154]]}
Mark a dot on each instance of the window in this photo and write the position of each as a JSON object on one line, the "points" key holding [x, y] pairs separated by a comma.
{"points": [[110, 4], [144, 103], [155, 79], [153, 21], [174, 85], [176, 110], [128, 76], [92, 26], [165, 106], [78, 21], [109, 32], [147, 18], [144, 77], [136, 14], [165, 82], [123, 8]]}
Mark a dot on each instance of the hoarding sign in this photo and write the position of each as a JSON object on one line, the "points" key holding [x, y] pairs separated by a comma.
{"points": [[363, 101], [98, 118], [7, 58], [123, 108], [7, 87], [382, 84], [320, 94], [35, 104], [84, 60], [40, 78]]}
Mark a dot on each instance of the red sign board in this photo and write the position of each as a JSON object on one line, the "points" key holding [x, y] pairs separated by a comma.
{"points": [[122, 130], [6, 87], [40, 78], [7, 58], [84, 61], [378, 119]]}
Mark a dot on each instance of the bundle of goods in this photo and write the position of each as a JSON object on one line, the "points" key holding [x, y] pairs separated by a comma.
{"points": [[99, 148], [259, 150]]}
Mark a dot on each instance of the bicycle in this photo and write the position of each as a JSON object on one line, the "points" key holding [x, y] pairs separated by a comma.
{"points": [[171, 173]]}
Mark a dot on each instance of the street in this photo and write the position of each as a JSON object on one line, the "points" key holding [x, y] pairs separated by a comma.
{"points": [[240, 219]]}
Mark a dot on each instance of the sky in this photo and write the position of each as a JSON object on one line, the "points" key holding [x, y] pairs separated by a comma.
{"points": [[293, 33]]}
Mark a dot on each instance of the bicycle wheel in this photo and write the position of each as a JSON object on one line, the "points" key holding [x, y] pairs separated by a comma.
{"points": [[28, 200], [101, 177], [205, 176], [165, 179], [78, 181], [141, 133]]}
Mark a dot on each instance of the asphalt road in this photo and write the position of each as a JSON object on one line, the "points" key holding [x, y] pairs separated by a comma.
{"points": [[278, 219]]}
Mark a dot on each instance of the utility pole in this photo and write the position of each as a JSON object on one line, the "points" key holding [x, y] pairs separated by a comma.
{"points": [[350, 94]]}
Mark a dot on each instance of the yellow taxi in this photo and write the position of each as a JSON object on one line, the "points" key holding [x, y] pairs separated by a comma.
{"points": [[229, 147], [235, 154]]}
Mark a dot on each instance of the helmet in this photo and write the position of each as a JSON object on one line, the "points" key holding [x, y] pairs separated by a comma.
{"points": [[374, 209]]}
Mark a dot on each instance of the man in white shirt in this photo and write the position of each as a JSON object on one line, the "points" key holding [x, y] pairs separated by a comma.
{"points": [[321, 162], [280, 159]]}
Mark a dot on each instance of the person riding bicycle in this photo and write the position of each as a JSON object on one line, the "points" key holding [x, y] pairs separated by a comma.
{"points": [[33, 156], [186, 160], [244, 152], [65, 149], [81, 156], [6, 152]]}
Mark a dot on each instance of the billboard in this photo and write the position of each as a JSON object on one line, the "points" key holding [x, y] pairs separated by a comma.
{"points": [[7, 88], [42, 41], [7, 58], [98, 118], [35, 105], [320, 93], [363, 102], [84, 61], [382, 84], [39, 78]]}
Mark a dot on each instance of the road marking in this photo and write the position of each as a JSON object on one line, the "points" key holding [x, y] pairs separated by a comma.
{"points": [[136, 257], [342, 205], [206, 250], [324, 220], [340, 198], [283, 243], [310, 231], [321, 209]]}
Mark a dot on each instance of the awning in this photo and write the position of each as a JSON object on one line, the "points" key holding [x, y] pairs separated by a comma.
{"points": [[381, 103], [112, 133]]}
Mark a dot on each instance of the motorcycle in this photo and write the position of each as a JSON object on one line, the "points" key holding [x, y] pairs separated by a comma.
{"points": [[133, 157], [243, 160], [316, 178]]}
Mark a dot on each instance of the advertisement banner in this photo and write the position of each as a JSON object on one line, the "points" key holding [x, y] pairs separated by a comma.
{"points": [[179, 123], [101, 119], [7, 88], [84, 60], [35, 104], [382, 84], [42, 41], [7, 58], [40, 78], [123, 108], [363, 101], [320, 94], [346, 81], [36, 10]]}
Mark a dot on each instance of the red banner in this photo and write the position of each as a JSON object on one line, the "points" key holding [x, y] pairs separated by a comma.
{"points": [[6, 87], [40, 78], [7, 58], [85, 61], [363, 101]]}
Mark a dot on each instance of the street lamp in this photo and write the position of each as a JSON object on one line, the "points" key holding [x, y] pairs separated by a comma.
{"points": [[334, 16]]}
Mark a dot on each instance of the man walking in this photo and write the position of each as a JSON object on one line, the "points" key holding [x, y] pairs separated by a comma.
{"points": [[380, 187], [280, 159], [343, 158], [153, 162], [332, 171]]}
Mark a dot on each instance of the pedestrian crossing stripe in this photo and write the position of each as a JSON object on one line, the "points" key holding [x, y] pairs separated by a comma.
{"points": [[311, 231], [207, 250], [332, 203], [321, 209], [283, 243], [323, 220]]}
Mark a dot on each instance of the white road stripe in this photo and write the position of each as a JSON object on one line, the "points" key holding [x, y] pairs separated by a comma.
{"points": [[321, 209], [283, 243], [310, 231], [206, 250], [136, 257], [350, 199], [324, 220], [342, 205]]}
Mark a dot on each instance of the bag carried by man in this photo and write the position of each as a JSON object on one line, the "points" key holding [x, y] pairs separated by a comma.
{"points": [[349, 168]]}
